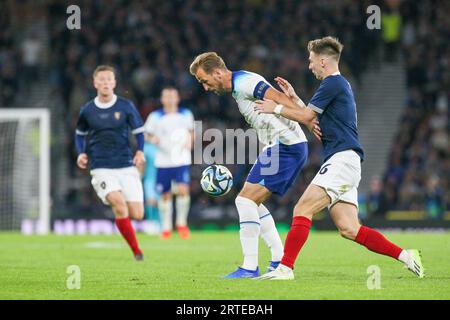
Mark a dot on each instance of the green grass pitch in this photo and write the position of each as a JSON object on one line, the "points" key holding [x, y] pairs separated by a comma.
{"points": [[329, 267]]}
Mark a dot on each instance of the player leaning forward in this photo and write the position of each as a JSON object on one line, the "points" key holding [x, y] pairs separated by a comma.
{"points": [[277, 165], [335, 185], [102, 142]]}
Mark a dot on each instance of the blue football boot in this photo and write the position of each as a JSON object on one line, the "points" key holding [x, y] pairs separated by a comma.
{"points": [[243, 273]]}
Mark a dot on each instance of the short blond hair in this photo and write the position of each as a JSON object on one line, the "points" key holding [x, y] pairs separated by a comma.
{"points": [[208, 61], [329, 46], [103, 67]]}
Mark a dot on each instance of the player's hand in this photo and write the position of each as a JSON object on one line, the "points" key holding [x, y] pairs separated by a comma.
{"points": [[287, 88], [139, 159], [82, 161], [314, 128], [265, 106]]}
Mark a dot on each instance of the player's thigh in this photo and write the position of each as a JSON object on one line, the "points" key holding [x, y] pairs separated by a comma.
{"points": [[164, 178], [313, 200], [255, 191], [131, 184], [105, 181], [182, 180], [345, 217], [339, 176], [136, 210]]}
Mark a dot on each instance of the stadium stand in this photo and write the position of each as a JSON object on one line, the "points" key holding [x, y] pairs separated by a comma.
{"points": [[152, 44]]}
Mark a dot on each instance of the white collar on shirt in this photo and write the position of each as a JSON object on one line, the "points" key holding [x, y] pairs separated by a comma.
{"points": [[107, 105], [336, 73]]}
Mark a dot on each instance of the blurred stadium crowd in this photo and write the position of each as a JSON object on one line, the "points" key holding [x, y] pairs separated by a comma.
{"points": [[151, 44]]}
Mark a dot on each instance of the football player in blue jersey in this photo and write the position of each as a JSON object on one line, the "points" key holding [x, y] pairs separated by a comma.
{"points": [[335, 185], [103, 146]]}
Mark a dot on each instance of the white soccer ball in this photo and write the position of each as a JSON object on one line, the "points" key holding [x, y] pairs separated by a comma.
{"points": [[216, 180]]}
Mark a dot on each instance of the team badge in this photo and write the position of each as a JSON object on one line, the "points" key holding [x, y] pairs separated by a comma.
{"points": [[117, 115]]}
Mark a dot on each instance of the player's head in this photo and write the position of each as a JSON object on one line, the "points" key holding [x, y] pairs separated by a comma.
{"points": [[104, 80], [170, 97], [324, 54], [211, 72]]}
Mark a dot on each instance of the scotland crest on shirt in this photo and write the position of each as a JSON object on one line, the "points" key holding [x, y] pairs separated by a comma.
{"points": [[117, 115]]}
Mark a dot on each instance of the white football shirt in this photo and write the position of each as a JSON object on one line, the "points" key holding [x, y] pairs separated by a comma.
{"points": [[174, 133], [247, 87]]}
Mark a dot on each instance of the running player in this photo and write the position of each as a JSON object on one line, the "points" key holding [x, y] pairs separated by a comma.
{"points": [[335, 185], [102, 144], [171, 129], [285, 152]]}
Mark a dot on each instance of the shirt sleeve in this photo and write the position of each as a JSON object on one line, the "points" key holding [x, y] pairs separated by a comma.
{"points": [[251, 85], [134, 120], [190, 120], [82, 128], [150, 123], [324, 95]]}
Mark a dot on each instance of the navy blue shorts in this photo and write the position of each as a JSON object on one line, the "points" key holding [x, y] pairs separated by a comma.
{"points": [[277, 166], [165, 176]]}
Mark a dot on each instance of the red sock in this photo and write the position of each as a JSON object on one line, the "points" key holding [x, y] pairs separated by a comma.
{"points": [[376, 242], [295, 239], [127, 231]]}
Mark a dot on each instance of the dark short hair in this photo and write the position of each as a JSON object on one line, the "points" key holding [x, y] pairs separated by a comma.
{"points": [[329, 46]]}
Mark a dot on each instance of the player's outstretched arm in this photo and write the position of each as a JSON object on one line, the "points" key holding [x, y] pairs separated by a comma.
{"points": [[288, 90], [304, 115], [279, 103]]}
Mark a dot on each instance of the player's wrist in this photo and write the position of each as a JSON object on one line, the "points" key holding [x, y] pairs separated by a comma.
{"points": [[278, 108]]}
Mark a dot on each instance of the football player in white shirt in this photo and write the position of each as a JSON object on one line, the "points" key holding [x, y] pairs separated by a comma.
{"points": [[171, 129], [277, 165]]}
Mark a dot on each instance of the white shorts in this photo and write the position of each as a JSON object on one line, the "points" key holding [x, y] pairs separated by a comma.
{"points": [[127, 180], [340, 176]]}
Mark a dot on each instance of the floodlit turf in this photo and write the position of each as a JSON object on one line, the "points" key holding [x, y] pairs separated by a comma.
{"points": [[35, 267]]}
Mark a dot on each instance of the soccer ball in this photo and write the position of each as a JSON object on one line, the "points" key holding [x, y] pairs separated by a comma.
{"points": [[216, 180]]}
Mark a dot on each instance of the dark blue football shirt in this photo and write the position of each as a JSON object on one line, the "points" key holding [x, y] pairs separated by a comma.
{"points": [[335, 104], [107, 131]]}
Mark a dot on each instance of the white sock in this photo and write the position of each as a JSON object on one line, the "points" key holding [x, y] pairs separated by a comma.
{"points": [[404, 257], [165, 211], [269, 233], [249, 231], [182, 203]]}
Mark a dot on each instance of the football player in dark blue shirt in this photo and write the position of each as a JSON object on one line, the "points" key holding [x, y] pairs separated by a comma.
{"points": [[103, 145], [335, 185]]}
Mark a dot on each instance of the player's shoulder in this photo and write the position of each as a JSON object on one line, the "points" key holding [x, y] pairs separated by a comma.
{"points": [[87, 106], [245, 81], [184, 111], [157, 113], [245, 75], [124, 102], [335, 80]]}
